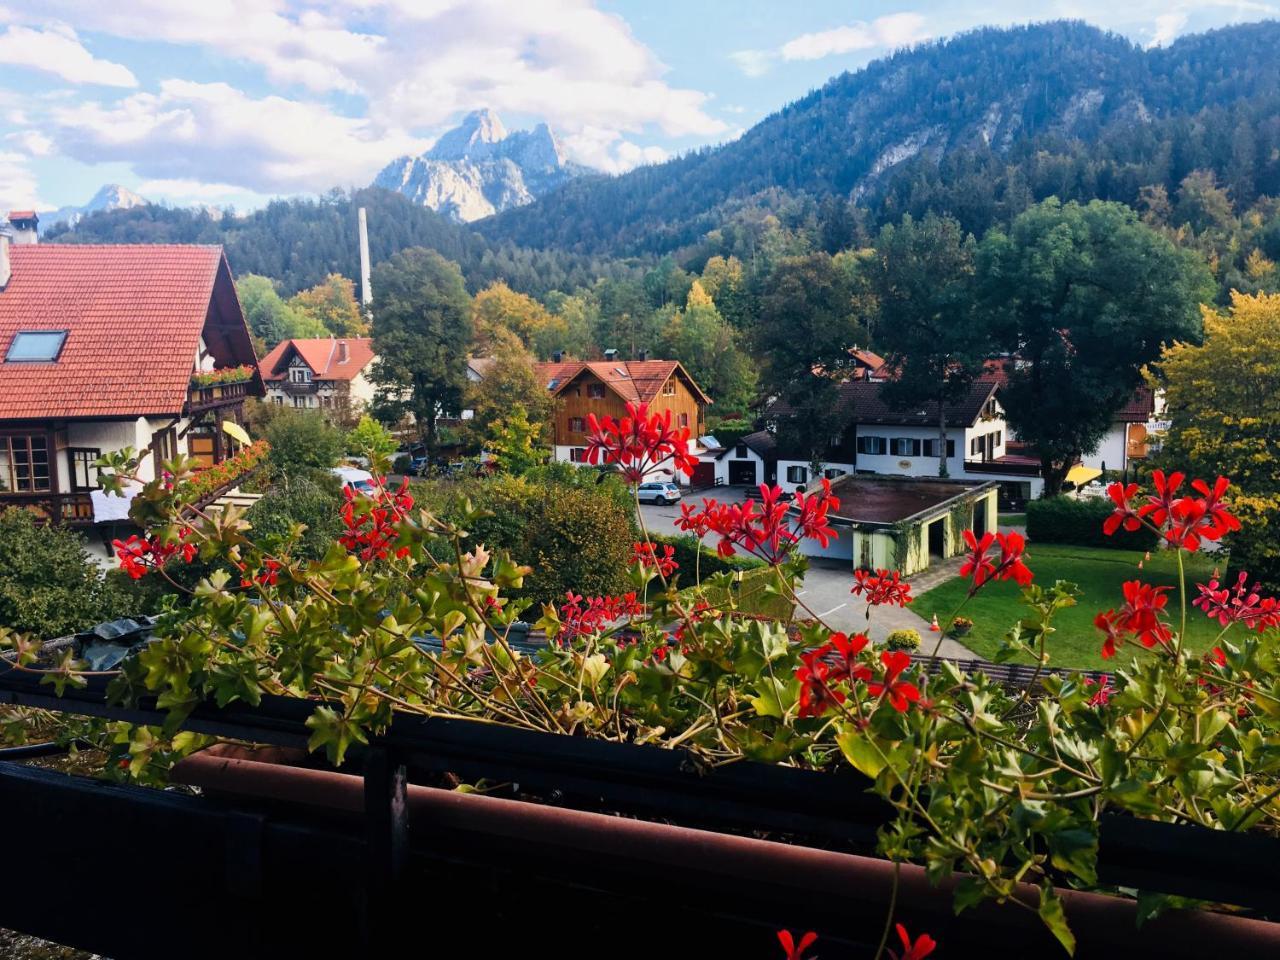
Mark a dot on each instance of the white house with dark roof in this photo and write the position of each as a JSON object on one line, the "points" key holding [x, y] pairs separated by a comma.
{"points": [[1130, 434], [881, 439]]}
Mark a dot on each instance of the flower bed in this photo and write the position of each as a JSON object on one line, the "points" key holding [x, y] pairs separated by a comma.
{"points": [[984, 785], [222, 377]]}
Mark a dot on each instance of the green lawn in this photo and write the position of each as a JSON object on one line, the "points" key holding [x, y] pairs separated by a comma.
{"points": [[1013, 520], [1098, 573]]}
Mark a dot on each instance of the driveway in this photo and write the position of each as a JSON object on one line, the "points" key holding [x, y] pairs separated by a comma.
{"points": [[825, 591]]}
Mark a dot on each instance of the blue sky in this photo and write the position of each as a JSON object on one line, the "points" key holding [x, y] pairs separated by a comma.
{"points": [[237, 101]]}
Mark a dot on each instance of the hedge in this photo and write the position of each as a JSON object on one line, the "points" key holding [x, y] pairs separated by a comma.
{"points": [[1079, 522], [686, 548]]}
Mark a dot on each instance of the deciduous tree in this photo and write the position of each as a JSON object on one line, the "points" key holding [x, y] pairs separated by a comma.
{"points": [[332, 304], [1223, 398], [1085, 297], [421, 332]]}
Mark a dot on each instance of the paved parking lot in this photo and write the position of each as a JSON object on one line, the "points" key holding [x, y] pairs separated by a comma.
{"points": [[825, 592]]}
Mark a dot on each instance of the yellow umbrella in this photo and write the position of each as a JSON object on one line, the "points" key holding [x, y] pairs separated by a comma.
{"points": [[236, 432]]}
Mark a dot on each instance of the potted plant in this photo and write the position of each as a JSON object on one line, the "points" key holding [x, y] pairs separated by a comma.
{"points": [[960, 626]]}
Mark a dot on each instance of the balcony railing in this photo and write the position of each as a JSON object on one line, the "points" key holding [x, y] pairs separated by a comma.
{"points": [[223, 394], [71, 508], [305, 386], [1014, 468]]}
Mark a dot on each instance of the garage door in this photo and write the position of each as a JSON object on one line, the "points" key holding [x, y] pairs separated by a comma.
{"points": [[840, 548], [704, 474], [742, 473]]}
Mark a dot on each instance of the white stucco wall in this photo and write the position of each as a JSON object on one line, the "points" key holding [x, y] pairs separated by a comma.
{"points": [[1112, 450], [722, 464]]}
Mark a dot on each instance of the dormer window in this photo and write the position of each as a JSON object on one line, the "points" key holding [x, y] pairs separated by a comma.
{"points": [[35, 346], [299, 375]]}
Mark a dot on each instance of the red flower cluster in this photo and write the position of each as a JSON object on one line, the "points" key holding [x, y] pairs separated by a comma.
{"points": [[639, 443], [794, 949], [581, 616], [268, 576], [140, 555], [836, 661], [983, 564], [370, 521], [766, 528], [650, 556], [881, 587], [1238, 604], [1102, 696], [900, 693], [1140, 617], [1184, 521]]}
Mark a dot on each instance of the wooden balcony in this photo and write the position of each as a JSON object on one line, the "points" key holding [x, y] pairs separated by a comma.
{"points": [[219, 395], [306, 386], [66, 508]]}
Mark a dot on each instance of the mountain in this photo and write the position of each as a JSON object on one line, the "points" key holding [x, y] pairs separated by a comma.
{"points": [[980, 126], [298, 242], [478, 169], [110, 196]]}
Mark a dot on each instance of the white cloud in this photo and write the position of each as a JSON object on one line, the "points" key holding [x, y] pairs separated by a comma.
{"points": [[1167, 28], [18, 188], [33, 142], [754, 63], [214, 133], [894, 30], [59, 51], [607, 150]]}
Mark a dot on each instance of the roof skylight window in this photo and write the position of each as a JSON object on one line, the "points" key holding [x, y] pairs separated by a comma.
{"points": [[35, 346]]}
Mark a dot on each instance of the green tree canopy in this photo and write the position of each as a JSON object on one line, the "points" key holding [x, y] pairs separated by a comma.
{"points": [[922, 277], [708, 347], [804, 329], [1085, 296], [270, 318], [421, 333], [332, 304]]}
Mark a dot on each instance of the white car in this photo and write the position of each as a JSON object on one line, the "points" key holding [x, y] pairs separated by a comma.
{"points": [[658, 492]]}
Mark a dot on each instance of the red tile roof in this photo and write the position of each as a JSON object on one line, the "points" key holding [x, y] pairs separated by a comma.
{"points": [[321, 355], [1140, 408], [134, 316], [22, 214], [633, 380]]}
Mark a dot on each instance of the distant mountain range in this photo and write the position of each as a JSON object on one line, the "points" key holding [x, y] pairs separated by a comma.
{"points": [[478, 169], [110, 196], [978, 126]]}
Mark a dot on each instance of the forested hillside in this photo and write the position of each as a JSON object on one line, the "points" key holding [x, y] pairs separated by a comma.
{"points": [[298, 243], [979, 126]]}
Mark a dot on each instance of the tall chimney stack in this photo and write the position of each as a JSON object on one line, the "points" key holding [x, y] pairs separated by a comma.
{"points": [[344, 356], [366, 293]]}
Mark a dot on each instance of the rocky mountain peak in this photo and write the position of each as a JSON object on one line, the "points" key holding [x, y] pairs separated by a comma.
{"points": [[479, 131], [478, 168]]}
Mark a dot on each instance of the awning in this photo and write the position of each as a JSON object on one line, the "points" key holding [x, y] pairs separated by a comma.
{"points": [[1079, 476]]}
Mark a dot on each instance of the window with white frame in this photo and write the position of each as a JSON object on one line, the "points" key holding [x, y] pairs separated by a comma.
{"points": [[577, 425], [906, 447], [873, 446], [299, 374], [797, 474]]}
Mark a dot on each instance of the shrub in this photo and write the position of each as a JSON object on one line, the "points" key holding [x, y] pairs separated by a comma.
{"points": [[301, 441], [902, 640], [306, 501], [687, 547], [1079, 522], [49, 585], [368, 438]]}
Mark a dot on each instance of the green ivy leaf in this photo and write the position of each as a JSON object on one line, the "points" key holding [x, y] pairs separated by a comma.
{"points": [[860, 751], [1055, 918]]}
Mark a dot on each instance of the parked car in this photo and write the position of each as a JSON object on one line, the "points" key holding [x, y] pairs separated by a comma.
{"points": [[361, 481], [659, 492]]}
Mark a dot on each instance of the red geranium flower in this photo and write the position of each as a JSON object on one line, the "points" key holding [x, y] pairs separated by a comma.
{"points": [[794, 950], [1142, 611], [660, 557], [977, 566], [846, 650], [1125, 514], [881, 587], [817, 695], [1114, 636], [923, 946], [1215, 507], [763, 528], [1238, 604], [1012, 550], [639, 443], [1157, 508], [900, 693]]}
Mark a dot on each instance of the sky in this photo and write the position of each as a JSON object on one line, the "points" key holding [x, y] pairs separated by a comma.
{"points": [[234, 102]]}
